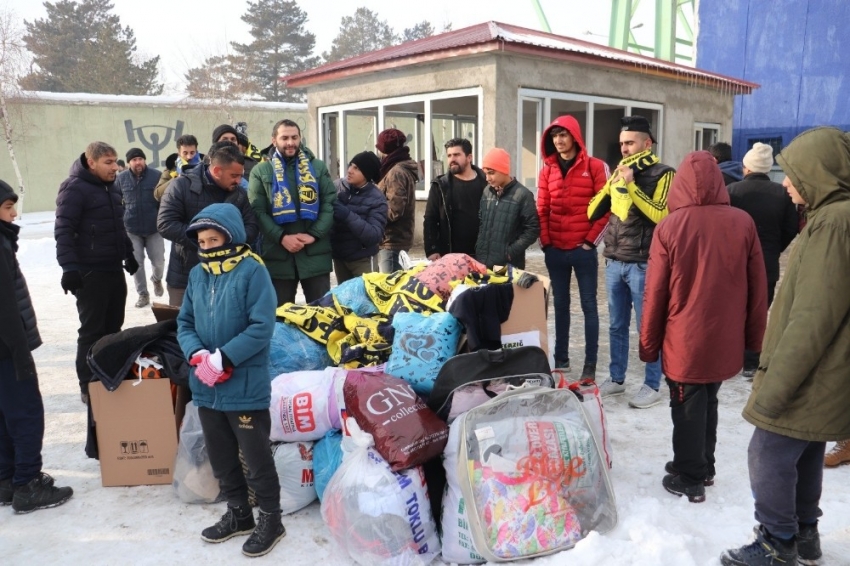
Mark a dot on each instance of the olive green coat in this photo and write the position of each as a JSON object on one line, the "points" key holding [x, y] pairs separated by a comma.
{"points": [[312, 260], [802, 388]]}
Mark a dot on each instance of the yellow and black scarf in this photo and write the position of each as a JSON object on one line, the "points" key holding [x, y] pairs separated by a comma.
{"points": [[621, 200], [225, 258]]}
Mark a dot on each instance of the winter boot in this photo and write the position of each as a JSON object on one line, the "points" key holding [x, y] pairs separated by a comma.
{"points": [[764, 551], [144, 300], [39, 493], [157, 287], [268, 533], [589, 371], [563, 365], [707, 482], [235, 521], [808, 544], [677, 486], [839, 455], [7, 491]]}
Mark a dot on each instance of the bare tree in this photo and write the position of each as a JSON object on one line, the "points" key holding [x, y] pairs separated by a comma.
{"points": [[13, 57]]}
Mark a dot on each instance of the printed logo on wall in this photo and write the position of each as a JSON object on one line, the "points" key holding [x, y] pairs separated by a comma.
{"points": [[154, 138]]}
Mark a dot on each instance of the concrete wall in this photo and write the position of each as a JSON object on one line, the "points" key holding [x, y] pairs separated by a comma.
{"points": [[795, 49], [49, 135]]}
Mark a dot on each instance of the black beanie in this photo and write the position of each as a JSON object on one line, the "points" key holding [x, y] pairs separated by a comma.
{"points": [[369, 165], [134, 153], [7, 193], [223, 129]]}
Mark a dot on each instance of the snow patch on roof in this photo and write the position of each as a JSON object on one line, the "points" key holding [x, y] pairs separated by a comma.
{"points": [[85, 98]]}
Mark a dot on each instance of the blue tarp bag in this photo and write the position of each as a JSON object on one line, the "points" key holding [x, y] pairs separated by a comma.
{"points": [[327, 456]]}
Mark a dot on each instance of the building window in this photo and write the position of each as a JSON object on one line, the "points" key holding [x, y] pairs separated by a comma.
{"points": [[705, 135]]}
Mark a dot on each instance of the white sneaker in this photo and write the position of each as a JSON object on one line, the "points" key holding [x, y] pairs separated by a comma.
{"points": [[610, 388], [645, 398]]}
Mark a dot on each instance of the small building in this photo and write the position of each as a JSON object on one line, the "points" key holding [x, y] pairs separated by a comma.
{"points": [[501, 85], [51, 130]]}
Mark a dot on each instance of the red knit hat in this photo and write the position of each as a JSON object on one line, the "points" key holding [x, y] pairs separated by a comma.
{"points": [[390, 140], [497, 159]]}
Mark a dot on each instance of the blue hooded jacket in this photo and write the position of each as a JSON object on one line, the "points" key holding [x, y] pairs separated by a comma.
{"points": [[235, 312]]}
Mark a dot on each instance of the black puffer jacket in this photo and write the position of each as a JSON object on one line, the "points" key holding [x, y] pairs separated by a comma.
{"points": [[18, 329], [360, 216], [89, 227], [140, 206], [188, 195], [509, 224]]}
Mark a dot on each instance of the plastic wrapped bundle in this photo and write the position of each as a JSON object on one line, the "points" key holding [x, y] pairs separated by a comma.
{"points": [[292, 350]]}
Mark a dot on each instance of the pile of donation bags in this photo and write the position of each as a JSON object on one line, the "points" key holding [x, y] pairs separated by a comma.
{"points": [[415, 450]]}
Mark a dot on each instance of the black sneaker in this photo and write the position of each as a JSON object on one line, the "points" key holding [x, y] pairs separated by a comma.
{"points": [[235, 521], [562, 365], [707, 482], [677, 486], [268, 533], [808, 544], [748, 374], [764, 551], [40, 493], [588, 372], [7, 491]]}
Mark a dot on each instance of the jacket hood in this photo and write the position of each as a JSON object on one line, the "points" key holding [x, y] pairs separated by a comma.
{"points": [[224, 217], [80, 168], [698, 182], [547, 146], [732, 168], [818, 164]]}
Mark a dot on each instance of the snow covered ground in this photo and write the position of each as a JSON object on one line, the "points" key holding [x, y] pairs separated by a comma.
{"points": [[149, 525]]}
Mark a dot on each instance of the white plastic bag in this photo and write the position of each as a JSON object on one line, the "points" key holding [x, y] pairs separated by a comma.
{"points": [[193, 481], [378, 516], [303, 406], [294, 464]]}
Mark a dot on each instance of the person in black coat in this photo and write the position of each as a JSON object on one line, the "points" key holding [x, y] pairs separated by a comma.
{"points": [[774, 214], [22, 483], [360, 216], [189, 194], [91, 247]]}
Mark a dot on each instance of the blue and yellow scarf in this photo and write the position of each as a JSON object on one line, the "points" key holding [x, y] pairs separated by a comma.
{"points": [[284, 210]]}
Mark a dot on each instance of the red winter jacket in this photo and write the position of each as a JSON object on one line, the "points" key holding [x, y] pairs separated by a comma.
{"points": [[705, 298], [562, 201]]}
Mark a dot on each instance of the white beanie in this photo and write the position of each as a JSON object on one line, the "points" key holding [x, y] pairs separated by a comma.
{"points": [[759, 159]]}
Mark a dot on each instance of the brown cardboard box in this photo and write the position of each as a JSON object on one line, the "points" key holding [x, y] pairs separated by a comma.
{"points": [[526, 324], [135, 432]]}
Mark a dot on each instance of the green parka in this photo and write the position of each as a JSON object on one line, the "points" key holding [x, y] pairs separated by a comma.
{"points": [[508, 225], [312, 260], [802, 388]]}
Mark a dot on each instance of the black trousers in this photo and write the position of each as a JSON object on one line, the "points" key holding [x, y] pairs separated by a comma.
{"points": [[751, 358], [786, 476], [314, 288], [21, 426], [100, 304], [694, 412], [225, 433]]}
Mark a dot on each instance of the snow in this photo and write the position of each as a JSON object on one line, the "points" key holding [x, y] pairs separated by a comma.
{"points": [[149, 525], [164, 100]]}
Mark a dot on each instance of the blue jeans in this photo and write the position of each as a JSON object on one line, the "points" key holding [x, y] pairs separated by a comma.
{"points": [[624, 282], [388, 261], [560, 264]]}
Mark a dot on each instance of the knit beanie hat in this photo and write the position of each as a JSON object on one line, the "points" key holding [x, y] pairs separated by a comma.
{"points": [[760, 158], [7, 192], [390, 140], [497, 159], [223, 129], [369, 165], [134, 153]]}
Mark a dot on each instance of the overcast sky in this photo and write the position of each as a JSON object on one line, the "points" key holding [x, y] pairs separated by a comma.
{"points": [[185, 32]]}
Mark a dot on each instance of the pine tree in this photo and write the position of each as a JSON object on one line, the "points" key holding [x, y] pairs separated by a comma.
{"points": [[81, 47], [361, 33], [281, 46], [421, 30]]}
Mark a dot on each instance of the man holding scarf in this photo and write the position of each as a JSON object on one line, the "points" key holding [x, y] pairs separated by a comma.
{"points": [[399, 174], [292, 196]]}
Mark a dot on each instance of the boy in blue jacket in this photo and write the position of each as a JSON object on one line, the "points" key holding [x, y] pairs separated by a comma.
{"points": [[224, 328]]}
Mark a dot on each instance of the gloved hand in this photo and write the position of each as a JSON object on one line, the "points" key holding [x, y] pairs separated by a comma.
{"points": [[341, 211], [72, 281], [131, 266], [208, 367]]}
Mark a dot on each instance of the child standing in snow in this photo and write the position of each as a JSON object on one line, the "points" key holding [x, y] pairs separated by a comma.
{"points": [[224, 328], [22, 483]]}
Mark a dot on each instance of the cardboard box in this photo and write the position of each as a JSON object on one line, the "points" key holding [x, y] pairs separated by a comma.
{"points": [[135, 432], [526, 324]]}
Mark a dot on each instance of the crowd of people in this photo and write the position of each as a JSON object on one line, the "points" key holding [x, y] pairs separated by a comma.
{"points": [[693, 251]]}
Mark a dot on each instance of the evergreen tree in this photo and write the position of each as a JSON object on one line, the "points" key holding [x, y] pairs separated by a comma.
{"points": [[421, 30], [360, 33], [281, 46], [81, 47], [217, 79]]}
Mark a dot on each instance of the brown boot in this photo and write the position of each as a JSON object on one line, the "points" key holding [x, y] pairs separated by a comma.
{"points": [[839, 455]]}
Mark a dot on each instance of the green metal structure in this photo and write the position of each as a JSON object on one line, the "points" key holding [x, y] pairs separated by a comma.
{"points": [[674, 36]]}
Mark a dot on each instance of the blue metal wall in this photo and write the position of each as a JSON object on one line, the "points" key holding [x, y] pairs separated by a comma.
{"points": [[797, 50]]}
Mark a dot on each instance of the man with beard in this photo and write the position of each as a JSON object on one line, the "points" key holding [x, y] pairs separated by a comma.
{"points": [[188, 195], [451, 215], [137, 184], [293, 198], [91, 247]]}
